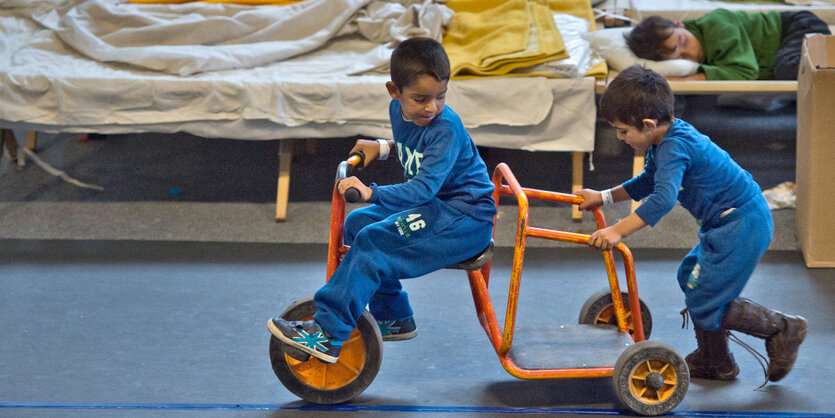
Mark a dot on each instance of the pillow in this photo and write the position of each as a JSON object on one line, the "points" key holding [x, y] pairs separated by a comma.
{"points": [[610, 44]]}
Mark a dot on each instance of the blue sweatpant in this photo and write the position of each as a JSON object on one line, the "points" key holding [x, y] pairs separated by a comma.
{"points": [[387, 246], [714, 272]]}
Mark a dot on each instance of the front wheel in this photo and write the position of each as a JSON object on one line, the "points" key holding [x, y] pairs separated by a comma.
{"points": [[599, 309], [323, 383], [651, 378]]}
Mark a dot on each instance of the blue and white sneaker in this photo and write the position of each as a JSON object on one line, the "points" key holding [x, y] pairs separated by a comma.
{"points": [[396, 330], [306, 336]]}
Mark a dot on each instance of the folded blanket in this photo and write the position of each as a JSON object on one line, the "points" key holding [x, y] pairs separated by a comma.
{"points": [[494, 37], [505, 37]]}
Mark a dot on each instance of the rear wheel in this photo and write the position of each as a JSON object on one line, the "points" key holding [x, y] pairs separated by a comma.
{"points": [[319, 382], [651, 378], [599, 309]]}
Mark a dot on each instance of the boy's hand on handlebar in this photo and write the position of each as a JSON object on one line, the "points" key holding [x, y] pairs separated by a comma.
{"points": [[591, 199], [348, 182], [605, 239], [371, 149]]}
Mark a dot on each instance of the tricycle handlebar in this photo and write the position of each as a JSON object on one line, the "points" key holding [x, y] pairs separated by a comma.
{"points": [[343, 170]]}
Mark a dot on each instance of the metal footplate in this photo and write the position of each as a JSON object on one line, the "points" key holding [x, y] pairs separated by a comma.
{"points": [[555, 346]]}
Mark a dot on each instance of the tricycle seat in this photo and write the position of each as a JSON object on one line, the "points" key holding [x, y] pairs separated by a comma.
{"points": [[476, 262]]}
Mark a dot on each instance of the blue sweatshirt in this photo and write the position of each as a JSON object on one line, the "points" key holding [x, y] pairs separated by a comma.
{"points": [[687, 166], [439, 160]]}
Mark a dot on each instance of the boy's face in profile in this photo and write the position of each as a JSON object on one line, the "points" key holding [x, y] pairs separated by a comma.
{"points": [[639, 139], [682, 45], [422, 101]]}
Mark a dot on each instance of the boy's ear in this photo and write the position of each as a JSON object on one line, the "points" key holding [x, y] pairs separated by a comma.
{"points": [[678, 23], [649, 124], [394, 92]]}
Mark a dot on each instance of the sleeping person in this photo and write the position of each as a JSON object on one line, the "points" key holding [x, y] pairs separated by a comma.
{"points": [[729, 45]]}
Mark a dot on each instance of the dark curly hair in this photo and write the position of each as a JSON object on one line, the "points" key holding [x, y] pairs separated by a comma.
{"points": [[418, 56], [637, 93], [646, 40]]}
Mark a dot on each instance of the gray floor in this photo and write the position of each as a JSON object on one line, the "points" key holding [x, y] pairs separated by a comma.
{"points": [[150, 298], [123, 328]]}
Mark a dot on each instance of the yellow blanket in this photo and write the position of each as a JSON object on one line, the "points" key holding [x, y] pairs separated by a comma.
{"points": [[494, 37]]}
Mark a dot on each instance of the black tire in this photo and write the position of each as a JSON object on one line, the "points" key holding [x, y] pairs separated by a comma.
{"points": [[322, 383], [599, 310], [651, 378]]}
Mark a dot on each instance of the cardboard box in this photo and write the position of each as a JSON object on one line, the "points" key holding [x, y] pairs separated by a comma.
{"points": [[815, 178]]}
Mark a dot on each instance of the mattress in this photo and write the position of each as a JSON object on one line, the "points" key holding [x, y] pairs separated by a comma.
{"points": [[49, 84]]}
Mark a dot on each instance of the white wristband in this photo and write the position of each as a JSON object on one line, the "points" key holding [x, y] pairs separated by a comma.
{"points": [[384, 149], [607, 197]]}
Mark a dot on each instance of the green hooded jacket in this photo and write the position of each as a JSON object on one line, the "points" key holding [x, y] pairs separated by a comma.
{"points": [[737, 45]]}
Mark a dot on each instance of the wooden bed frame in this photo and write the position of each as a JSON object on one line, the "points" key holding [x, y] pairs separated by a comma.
{"points": [[7, 140]]}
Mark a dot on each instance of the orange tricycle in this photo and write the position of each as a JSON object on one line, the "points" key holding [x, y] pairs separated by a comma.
{"points": [[610, 339]]}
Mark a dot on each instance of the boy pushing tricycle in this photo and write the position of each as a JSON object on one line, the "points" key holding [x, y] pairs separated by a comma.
{"points": [[735, 223]]}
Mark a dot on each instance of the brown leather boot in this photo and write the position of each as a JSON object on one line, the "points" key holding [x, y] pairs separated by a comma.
{"points": [[782, 333], [712, 359]]}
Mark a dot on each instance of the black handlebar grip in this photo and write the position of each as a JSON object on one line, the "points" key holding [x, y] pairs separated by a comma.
{"points": [[352, 195]]}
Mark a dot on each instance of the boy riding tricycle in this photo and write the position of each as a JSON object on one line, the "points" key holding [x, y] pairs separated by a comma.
{"points": [[649, 377]]}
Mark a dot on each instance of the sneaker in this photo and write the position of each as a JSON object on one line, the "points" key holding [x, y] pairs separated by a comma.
{"points": [[396, 330], [306, 336]]}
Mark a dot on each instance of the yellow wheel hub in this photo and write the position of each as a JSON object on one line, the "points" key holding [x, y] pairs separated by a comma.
{"points": [[653, 381], [607, 316]]}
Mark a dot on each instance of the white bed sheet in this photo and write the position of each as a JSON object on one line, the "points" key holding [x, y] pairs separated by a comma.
{"points": [[47, 86]]}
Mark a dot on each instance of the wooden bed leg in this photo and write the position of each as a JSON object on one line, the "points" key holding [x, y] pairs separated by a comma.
{"points": [[285, 159], [637, 168], [576, 182], [31, 140], [7, 142]]}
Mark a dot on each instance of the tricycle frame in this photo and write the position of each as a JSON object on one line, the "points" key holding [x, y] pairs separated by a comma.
{"points": [[505, 183]]}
